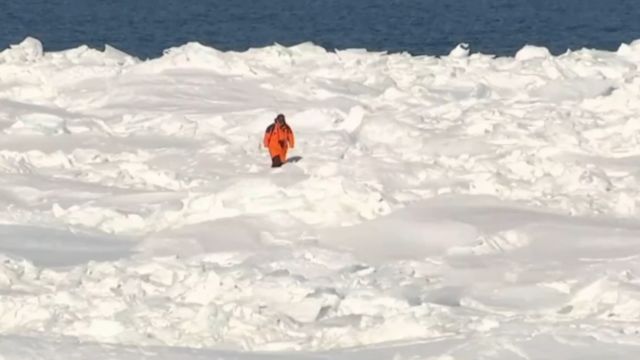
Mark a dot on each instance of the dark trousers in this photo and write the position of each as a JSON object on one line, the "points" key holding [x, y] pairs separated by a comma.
{"points": [[276, 161]]}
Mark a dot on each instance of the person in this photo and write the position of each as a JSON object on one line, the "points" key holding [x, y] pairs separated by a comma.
{"points": [[278, 138]]}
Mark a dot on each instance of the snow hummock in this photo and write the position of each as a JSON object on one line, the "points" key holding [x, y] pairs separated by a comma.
{"points": [[29, 50], [460, 51], [530, 52], [457, 207]]}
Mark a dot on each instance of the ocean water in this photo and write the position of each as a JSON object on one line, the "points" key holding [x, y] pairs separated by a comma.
{"points": [[147, 27]]}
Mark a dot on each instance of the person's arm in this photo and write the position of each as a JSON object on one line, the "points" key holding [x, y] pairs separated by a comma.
{"points": [[291, 138], [267, 135]]}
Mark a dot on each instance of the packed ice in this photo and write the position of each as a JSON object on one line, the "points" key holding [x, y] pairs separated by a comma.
{"points": [[458, 207]]}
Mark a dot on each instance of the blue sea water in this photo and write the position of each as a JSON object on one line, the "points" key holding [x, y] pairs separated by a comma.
{"points": [[146, 27]]}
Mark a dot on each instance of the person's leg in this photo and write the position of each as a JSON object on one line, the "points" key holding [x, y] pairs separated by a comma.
{"points": [[276, 161], [283, 155], [274, 153]]}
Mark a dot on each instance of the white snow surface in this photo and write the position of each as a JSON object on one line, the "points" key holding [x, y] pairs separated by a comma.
{"points": [[457, 207]]}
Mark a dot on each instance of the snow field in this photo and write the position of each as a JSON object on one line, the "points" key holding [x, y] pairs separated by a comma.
{"points": [[462, 207]]}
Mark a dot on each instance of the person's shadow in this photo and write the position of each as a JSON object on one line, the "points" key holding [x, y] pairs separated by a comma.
{"points": [[294, 159]]}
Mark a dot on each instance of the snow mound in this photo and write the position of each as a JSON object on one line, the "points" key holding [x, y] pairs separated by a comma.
{"points": [[29, 50], [530, 52], [460, 51]]}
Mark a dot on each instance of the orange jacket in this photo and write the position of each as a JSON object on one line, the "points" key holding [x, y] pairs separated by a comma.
{"points": [[278, 137]]}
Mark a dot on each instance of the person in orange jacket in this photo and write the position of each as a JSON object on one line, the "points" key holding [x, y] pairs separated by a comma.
{"points": [[278, 138]]}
